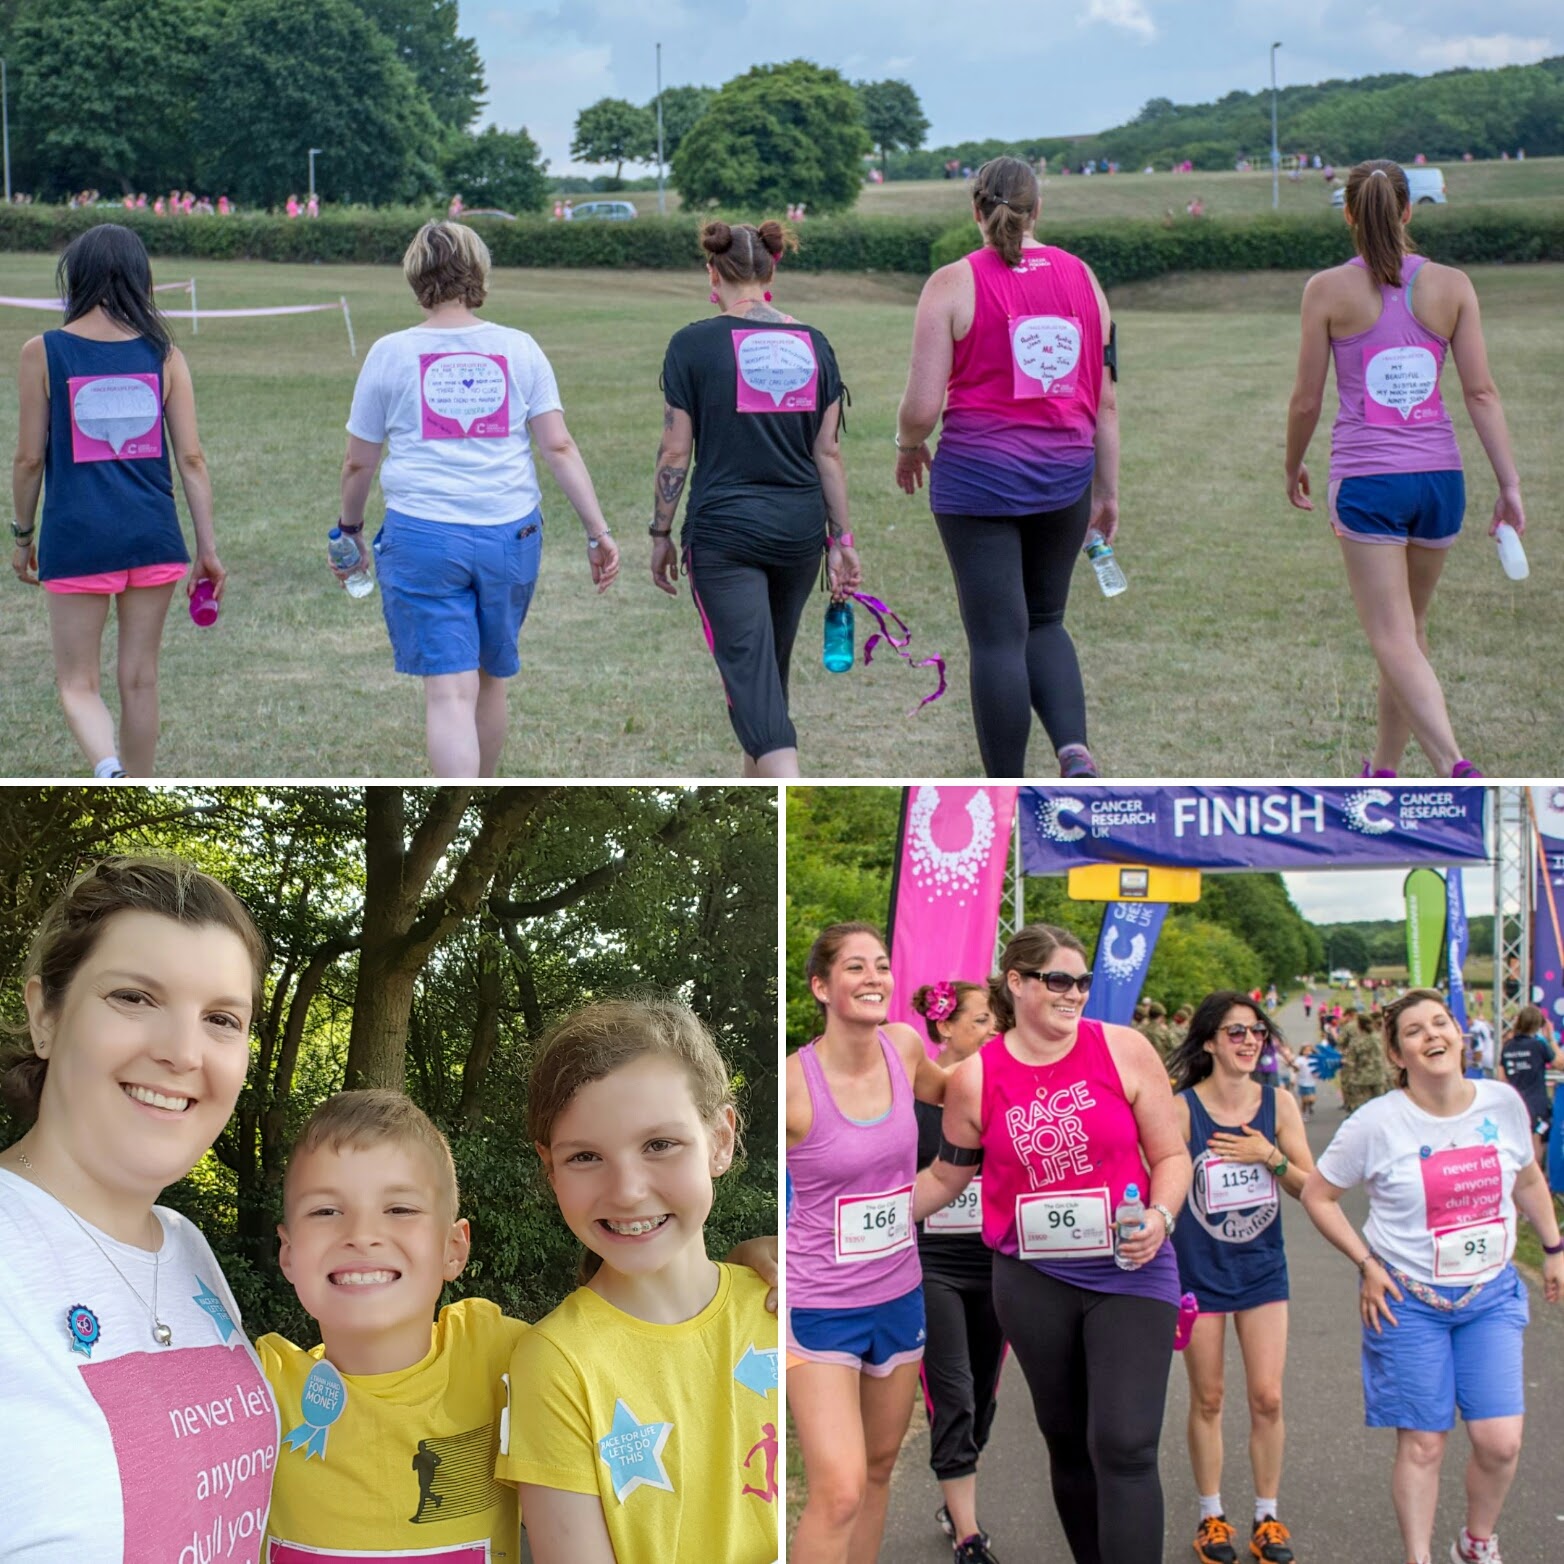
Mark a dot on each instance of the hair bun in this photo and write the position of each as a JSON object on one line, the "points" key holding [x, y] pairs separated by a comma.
{"points": [[771, 235], [716, 238]]}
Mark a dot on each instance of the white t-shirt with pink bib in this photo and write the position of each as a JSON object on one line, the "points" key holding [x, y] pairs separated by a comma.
{"points": [[454, 405], [118, 1450], [1441, 1206]]}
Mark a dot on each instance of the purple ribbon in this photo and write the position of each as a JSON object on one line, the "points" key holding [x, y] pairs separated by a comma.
{"points": [[898, 644]]}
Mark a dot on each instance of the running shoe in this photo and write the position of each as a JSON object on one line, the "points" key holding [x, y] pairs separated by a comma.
{"points": [[1369, 771], [946, 1525], [1075, 760], [1466, 1549], [1214, 1541], [975, 1550], [1270, 1540], [1464, 771]]}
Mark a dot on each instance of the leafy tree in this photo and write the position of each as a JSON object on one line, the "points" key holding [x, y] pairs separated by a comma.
{"points": [[79, 118], [287, 75], [497, 167], [1346, 946], [682, 106], [893, 116], [446, 65], [777, 134], [614, 131]]}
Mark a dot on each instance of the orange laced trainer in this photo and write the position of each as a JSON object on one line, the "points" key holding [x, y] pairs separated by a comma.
{"points": [[1214, 1541], [1269, 1541]]}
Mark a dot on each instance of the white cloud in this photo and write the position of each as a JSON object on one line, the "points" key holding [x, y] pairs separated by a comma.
{"points": [[1128, 16], [1482, 52]]}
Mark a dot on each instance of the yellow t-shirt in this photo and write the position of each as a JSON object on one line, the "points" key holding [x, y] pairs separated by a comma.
{"points": [[390, 1464], [674, 1427]]}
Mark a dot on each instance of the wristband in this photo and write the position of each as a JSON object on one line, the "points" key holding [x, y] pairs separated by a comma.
{"points": [[654, 531], [1280, 1168], [959, 1156], [21, 534], [896, 441], [1557, 1248], [597, 542], [346, 530], [843, 540]]}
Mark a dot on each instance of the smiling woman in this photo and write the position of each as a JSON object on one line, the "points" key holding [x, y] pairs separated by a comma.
{"points": [[123, 1355]]}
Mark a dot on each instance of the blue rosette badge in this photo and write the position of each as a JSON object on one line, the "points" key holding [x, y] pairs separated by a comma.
{"points": [[323, 1401]]}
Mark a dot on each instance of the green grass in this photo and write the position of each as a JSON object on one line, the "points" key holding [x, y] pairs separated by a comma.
{"points": [[1234, 653], [1074, 198]]}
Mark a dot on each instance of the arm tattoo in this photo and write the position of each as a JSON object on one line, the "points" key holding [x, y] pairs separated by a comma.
{"points": [[670, 485], [667, 416]]}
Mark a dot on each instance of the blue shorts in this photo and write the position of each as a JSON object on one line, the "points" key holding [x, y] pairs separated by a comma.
{"points": [[1399, 507], [874, 1340], [1420, 1370], [455, 595]]}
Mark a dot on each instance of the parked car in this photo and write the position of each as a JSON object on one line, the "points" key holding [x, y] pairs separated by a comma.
{"points": [[1425, 185], [487, 211], [603, 211]]}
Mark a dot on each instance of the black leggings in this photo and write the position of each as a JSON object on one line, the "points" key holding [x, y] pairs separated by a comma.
{"points": [[961, 1362], [750, 613], [1012, 582], [1097, 1366]]}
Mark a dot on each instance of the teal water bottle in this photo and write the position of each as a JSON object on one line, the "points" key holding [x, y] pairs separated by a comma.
{"points": [[838, 656]]}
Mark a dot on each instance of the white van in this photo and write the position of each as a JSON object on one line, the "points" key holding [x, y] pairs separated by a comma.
{"points": [[1425, 185], [1341, 978]]}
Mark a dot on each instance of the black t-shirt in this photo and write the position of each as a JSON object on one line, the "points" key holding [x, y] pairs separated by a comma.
{"points": [[962, 1259], [756, 489], [1524, 1061]]}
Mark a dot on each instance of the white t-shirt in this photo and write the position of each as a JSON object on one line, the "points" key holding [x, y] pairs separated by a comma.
{"points": [[1441, 1204], [454, 405], [1303, 1067], [117, 1449], [1482, 1039]]}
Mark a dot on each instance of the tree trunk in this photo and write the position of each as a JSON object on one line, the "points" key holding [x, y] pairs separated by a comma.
{"points": [[485, 1034]]}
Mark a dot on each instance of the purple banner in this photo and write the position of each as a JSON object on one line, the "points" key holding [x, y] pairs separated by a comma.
{"points": [[1547, 913], [1250, 827], [1124, 947], [1456, 942]]}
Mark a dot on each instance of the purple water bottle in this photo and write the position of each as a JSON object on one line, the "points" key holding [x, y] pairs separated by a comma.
{"points": [[1188, 1313], [203, 602]]}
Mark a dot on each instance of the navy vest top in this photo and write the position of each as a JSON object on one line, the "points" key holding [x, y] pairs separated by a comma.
{"points": [[108, 500], [1231, 1258]]}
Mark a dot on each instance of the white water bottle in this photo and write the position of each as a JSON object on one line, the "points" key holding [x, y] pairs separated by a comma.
{"points": [[1110, 577], [1511, 555], [1127, 1222], [342, 551]]}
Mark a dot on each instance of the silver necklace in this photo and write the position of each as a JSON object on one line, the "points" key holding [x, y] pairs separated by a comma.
{"points": [[161, 1334]]}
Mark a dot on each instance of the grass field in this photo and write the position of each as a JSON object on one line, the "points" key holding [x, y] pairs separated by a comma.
{"points": [[1074, 198], [1234, 653]]}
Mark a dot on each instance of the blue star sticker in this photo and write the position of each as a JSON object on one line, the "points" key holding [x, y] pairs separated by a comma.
{"points": [[1489, 1132], [634, 1453], [208, 1300]]}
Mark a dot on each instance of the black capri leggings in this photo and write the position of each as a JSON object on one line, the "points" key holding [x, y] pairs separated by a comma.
{"points": [[1097, 1366], [960, 1372], [1012, 582], [750, 613]]}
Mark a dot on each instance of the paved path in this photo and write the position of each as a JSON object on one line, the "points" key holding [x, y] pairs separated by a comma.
{"points": [[1336, 1482]]}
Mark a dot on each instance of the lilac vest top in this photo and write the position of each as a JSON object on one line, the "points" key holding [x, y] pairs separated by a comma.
{"points": [[850, 1240], [1392, 418]]}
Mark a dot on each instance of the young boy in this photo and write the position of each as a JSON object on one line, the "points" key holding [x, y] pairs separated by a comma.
{"points": [[391, 1425]]}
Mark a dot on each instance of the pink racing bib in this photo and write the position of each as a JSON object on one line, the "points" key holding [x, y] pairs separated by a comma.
{"points": [[777, 371], [1045, 353], [1401, 386], [115, 418], [464, 396], [1463, 1191], [459, 1553]]}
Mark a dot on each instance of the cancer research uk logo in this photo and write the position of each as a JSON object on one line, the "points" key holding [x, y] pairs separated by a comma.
{"points": [[948, 871], [1053, 828], [1377, 811], [1123, 967]]}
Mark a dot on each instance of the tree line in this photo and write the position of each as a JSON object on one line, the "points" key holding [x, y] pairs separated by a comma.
{"points": [[424, 938]]}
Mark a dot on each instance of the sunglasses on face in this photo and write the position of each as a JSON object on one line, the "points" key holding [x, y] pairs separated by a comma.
{"points": [[1060, 982], [1237, 1032]]}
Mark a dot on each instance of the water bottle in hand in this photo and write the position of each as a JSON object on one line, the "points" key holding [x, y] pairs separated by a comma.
{"points": [[1127, 1222], [1511, 555], [1100, 552], [342, 551], [838, 656], [203, 603]]}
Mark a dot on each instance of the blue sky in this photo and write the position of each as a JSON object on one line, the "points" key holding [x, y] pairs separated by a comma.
{"points": [[1005, 68], [1360, 895]]}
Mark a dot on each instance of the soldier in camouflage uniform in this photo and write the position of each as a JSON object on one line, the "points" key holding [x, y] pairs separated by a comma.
{"points": [[1365, 1071], [1159, 1031]]}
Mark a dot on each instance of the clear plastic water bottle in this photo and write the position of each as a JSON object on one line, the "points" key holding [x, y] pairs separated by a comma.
{"points": [[838, 656], [1110, 577], [1127, 1222], [1511, 555], [342, 551]]}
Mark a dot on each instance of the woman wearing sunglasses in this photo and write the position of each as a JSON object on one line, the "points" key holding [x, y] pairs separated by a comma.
{"points": [[1063, 1115], [1248, 1143]]}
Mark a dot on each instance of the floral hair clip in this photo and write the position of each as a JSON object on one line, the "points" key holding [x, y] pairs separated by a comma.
{"points": [[942, 1002]]}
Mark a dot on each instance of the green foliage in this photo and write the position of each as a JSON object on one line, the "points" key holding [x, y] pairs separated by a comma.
{"points": [[287, 75], [893, 116], [1196, 955], [1347, 946], [1257, 909], [776, 135], [502, 168], [446, 66], [614, 131], [682, 107]]}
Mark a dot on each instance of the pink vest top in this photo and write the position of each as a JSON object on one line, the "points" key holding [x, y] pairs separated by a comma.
{"points": [[1392, 418], [850, 1239]]}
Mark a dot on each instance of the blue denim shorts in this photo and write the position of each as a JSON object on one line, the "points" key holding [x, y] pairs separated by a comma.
{"points": [[455, 595], [1425, 508], [1418, 1371], [874, 1339]]}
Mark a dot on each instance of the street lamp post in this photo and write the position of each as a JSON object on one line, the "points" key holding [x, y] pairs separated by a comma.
{"points": [[314, 151], [661, 208], [1276, 155], [5, 130]]}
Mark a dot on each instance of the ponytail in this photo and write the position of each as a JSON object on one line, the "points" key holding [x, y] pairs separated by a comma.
{"points": [[1377, 197], [1004, 194]]}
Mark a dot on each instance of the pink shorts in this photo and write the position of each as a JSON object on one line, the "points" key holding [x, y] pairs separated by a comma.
{"points": [[110, 583]]}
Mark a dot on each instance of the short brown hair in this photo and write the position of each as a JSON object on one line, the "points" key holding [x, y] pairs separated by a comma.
{"points": [[1529, 1021], [73, 925], [377, 1116], [447, 261], [1004, 191], [1392, 1023], [742, 252], [828, 946], [1027, 950]]}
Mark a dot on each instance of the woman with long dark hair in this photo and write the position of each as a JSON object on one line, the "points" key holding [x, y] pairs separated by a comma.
{"points": [[96, 398], [1248, 1144], [1396, 496]]}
